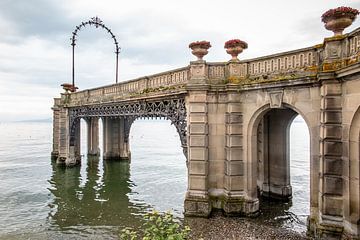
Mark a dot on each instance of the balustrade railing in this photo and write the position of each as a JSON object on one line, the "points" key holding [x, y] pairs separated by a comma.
{"points": [[298, 61], [354, 43]]}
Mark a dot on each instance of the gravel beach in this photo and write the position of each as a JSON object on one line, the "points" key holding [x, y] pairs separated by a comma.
{"points": [[219, 227]]}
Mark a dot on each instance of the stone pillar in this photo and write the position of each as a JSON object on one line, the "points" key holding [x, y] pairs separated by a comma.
{"points": [[331, 205], [56, 129], [197, 201], [74, 150], [116, 144], [63, 128], [331, 149], [237, 201], [93, 136]]}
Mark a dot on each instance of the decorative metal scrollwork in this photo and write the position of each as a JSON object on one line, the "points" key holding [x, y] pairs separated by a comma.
{"points": [[172, 109]]}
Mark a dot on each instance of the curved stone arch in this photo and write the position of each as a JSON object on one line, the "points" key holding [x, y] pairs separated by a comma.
{"points": [[171, 109], [352, 187], [251, 154]]}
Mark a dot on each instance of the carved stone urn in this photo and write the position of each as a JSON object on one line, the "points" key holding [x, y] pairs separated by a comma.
{"points": [[199, 49], [337, 19], [234, 47]]}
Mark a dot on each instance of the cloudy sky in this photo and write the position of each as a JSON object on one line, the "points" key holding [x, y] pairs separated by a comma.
{"points": [[35, 51]]}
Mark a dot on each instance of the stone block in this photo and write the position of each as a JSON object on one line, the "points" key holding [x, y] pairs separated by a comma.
{"points": [[333, 185], [333, 166], [332, 205], [234, 168], [332, 148], [198, 141], [217, 152], [197, 182], [234, 183], [195, 96], [331, 103], [234, 108], [198, 167], [234, 97], [217, 108], [331, 132], [331, 117], [234, 140], [330, 89], [197, 118], [234, 153], [197, 108], [197, 207], [234, 129], [198, 153], [233, 118], [198, 128]]}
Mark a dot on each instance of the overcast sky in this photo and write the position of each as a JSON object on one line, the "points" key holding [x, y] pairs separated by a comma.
{"points": [[35, 50]]}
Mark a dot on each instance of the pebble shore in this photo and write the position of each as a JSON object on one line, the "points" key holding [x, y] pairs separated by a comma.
{"points": [[219, 227]]}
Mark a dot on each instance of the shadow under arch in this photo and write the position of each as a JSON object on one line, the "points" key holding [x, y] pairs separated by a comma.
{"points": [[268, 154]]}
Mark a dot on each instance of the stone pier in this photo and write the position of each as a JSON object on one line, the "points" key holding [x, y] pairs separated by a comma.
{"points": [[233, 122]]}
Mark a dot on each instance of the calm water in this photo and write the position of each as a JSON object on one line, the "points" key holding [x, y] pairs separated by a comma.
{"points": [[39, 200]]}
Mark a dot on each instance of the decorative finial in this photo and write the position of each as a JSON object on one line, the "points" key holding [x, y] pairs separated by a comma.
{"points": [[97, 21]]}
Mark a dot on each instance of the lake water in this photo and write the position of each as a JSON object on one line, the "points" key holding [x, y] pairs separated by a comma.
{"points": [[39, 200]]}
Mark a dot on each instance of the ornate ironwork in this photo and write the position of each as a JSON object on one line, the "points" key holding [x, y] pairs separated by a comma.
{"points": [[172, 109], [97, 22]]}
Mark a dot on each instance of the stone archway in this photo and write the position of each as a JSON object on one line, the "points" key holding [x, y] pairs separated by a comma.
{"points": [[268, 154], [273, 150], [353, 208]]}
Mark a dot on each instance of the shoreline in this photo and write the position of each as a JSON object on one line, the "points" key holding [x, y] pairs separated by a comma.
{"points": [[219, 227]]}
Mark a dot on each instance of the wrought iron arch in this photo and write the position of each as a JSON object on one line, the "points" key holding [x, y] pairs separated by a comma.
{"points": [[97, 22], [171, 109]]}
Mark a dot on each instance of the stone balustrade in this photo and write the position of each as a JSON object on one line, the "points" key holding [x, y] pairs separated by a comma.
{"points": [[301, 62], [124, 90], [354, 45]]}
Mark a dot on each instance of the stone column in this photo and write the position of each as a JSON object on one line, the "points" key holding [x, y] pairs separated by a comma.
{"points": [[197, 201], [331, 172], [236, 200], [56, 129], [116, 144], [93, 136], [63, 128], [331, 205]]}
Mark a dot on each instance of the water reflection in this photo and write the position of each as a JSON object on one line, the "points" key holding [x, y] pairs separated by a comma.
{"points": [[102, 201]]}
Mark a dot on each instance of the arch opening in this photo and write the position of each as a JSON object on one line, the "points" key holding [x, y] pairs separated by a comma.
{"points": [[281, 153], [158, 166]]}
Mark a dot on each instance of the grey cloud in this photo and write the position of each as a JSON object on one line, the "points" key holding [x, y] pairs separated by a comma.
{"points": [[36, 17]]}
